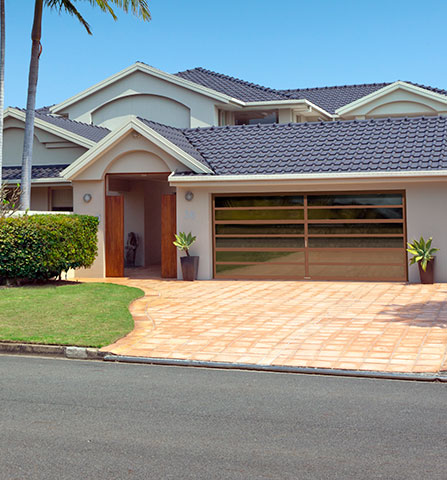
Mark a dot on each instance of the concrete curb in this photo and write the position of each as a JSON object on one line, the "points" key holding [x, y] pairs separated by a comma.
{"points": [[420, 377], [52, 350]]}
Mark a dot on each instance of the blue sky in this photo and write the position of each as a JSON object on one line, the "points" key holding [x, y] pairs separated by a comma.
{"points": [[276, 43]]}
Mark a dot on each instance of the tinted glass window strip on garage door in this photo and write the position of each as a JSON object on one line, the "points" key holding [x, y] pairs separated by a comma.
{"points": [[339, 236]]}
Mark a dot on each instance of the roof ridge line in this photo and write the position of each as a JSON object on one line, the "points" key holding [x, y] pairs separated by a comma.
{"points": [[376, 84]]}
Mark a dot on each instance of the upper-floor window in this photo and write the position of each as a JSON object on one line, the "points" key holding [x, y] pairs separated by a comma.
{"points": [[254, 117]]}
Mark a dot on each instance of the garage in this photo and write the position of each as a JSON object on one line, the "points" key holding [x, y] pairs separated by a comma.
{"points": [[316, 236]]}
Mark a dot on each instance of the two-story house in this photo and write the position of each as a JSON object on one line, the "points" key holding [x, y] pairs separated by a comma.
{"points": [[317, 183]]}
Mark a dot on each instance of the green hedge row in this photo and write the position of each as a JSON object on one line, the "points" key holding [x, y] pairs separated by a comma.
{"points": [[40, 247]]}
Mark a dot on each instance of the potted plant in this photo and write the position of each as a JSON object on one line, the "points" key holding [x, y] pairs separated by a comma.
{"points": [[190, 264], [422, 252]]}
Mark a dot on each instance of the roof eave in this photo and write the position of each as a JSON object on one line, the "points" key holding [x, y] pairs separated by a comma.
{"points": [[182, 180]]}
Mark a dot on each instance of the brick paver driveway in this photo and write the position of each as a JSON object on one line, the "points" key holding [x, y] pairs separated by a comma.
{"points": [[391, 327]]}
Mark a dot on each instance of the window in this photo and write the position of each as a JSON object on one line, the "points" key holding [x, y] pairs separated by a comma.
{"points": [[255, 117], [61, 200]]}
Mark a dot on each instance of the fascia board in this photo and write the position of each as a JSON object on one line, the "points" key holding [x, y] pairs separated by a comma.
{"points": [[150, 71], [49, 127], [235, 179], [388, 89]]}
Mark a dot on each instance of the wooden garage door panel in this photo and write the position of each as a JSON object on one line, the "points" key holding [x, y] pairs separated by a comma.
{"points": [[343, 235]]}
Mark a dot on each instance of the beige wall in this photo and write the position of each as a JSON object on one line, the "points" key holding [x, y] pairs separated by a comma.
{"points": [[48, 149], [426, 203], [202, 108], [96, 208], [152, 107]]}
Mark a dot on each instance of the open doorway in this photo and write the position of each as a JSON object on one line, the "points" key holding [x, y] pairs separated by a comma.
{"points": [[136, 219]]}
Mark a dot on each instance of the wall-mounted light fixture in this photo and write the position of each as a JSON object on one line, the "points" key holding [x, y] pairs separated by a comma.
{"points": [[87, 197], [189, 196]]}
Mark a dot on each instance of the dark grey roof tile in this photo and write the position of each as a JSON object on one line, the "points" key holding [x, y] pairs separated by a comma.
{"points": [[342, 146], [177, 137], [233, 87], [38, 171], [89, 131]]}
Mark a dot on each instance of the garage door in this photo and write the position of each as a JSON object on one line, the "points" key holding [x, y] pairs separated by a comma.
{"points": [[335, 236]]}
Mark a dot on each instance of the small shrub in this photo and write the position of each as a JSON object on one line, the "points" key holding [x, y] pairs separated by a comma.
{"points": [[40, 247]]}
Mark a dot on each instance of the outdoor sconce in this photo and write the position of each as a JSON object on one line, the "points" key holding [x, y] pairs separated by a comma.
{"points": [[189, 196], [87, 197]]}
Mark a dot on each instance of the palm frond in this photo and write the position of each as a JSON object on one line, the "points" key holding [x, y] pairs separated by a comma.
{"points": [[139, 8], [67, 6]]}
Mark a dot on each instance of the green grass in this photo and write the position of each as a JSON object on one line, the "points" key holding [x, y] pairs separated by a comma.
{"points": [[84, 314]]}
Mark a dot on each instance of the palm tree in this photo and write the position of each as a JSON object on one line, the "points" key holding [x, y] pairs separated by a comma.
{"points": [[2, 80], [137, 7]]}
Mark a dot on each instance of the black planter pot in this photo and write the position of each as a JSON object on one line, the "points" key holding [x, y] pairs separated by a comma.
{"points": [[428, 276], [190, 267]]}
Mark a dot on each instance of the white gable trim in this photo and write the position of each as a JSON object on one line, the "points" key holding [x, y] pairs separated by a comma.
{"points": [[423, 92], [142, 67], [49, 127], [84, 161]]}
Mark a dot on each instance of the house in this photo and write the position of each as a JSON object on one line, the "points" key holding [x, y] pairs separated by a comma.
{"points": [[316, 183]]}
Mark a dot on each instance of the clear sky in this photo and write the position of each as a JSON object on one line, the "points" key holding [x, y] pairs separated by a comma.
{"points": [[276, 43]]}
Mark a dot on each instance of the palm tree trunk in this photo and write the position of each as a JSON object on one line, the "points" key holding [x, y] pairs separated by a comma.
{"points": [[27, 157], [2, 80]]}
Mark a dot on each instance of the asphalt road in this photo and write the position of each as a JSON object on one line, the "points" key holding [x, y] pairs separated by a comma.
{"points": [[65, 419]]}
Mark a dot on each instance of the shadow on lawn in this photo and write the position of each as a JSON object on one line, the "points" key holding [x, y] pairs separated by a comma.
{"points": [[425, 314]]}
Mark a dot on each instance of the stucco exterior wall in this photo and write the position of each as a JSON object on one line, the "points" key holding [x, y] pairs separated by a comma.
{"points": [[425, 214], [60, 152], [96, 208], [202, 108], [152, 107]]}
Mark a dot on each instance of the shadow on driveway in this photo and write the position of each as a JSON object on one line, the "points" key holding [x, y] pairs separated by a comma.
{"points": [[425, 314]]}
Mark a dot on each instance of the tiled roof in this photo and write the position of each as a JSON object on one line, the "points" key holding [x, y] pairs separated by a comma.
{"points": [[177, 137], [324, 147], [38, 171], [233, 87], [328, 98], [86, 130], [331, 98]]}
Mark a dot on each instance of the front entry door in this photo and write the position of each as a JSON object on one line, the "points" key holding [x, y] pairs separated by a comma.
{"points": [[168, 229], [114, 236]]}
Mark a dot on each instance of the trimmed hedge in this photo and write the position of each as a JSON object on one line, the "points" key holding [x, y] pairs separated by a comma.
{"points": [[40, 247]]}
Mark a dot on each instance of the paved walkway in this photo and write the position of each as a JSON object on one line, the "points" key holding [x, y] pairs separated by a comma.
{"points": [[391, 327]]}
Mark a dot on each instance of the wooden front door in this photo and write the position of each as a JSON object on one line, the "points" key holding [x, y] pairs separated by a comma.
{"points": [[168, 229], [114, 236]]}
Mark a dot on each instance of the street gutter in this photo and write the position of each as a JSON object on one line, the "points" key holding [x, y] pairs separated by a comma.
{"points": [[83, 353], [419, 377]]}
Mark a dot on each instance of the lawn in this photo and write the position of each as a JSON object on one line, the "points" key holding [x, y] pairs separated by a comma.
{"points": [[84, 314]]}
